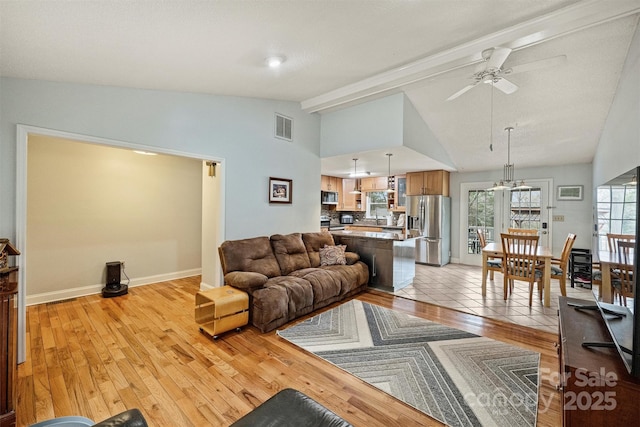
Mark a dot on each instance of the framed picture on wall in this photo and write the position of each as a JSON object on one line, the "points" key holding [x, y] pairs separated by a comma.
{"points": [[280, 190], [569, 192]]}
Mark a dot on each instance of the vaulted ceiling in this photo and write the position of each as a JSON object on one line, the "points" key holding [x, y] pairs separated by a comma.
{"points": [[342, 52]]}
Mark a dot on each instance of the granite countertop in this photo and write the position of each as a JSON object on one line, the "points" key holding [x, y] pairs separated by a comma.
{"points": [[373, 224], [373, 235]]}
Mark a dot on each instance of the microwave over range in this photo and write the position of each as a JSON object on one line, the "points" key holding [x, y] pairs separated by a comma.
{"points": [[329, 197]]}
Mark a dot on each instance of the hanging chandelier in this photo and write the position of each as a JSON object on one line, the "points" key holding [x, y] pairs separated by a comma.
{"points": [[508, 182]]}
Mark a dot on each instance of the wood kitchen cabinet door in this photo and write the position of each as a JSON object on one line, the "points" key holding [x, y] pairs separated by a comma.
{"points": [[329, 183], [374, 183], [437, 182], [346, 200], [428, 182], [415, 183]]}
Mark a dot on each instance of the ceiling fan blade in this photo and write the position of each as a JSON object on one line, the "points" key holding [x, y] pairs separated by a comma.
{"points": [[498, 57], [461, 91], [504, 85], [554, 61]]}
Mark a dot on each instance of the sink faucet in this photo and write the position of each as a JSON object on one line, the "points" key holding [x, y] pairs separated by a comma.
{"points": [[377, 223]]}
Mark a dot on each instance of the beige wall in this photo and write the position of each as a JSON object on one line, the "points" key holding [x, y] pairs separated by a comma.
{"points": [[90, 204]]}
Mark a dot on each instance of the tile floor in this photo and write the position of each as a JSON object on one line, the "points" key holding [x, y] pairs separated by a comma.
{"points": [[459, 287]]}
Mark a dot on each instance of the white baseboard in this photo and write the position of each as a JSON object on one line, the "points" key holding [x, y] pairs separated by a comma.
{"points": [[205, 286], [96, 289]]}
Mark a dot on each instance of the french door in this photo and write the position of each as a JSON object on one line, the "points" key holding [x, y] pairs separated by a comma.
{"points": [[496, 211]]}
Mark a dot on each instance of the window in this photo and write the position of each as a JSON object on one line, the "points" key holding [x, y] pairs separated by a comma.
{"points": [[376, 202], [481, 211], [525, 208], [616, 211]]}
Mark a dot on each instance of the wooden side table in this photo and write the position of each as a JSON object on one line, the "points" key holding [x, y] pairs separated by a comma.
{"points": [[221, 309]]}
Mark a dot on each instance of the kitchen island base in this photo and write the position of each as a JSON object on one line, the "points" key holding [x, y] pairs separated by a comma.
{"points": [[391, 258]]}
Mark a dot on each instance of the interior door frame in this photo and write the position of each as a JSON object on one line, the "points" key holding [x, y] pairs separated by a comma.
{"points": [[214, 223]]}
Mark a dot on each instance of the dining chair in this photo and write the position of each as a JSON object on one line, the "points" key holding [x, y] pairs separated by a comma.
{"points": [[623, 283], [527, 231], [612, 244], [614, 239], [560, 266], [493, 263], [519, 262]]}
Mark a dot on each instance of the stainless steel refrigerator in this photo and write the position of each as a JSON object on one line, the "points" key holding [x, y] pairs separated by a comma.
{"points": [[429, 220]]}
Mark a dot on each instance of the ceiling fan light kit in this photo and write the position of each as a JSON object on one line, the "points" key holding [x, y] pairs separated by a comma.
{"points": [[491, 71]]}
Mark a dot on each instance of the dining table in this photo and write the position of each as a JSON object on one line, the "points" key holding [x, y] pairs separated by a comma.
{"points": [[494, 249], [608, 260]]}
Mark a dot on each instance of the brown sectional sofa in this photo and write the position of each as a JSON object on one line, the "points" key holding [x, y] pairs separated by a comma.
{"points": [[283, 276]]}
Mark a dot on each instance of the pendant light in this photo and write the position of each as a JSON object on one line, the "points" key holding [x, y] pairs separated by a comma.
{"points": [[389, 189], [508, 182], [355, 173]]}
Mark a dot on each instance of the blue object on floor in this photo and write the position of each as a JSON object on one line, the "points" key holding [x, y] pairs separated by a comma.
{"points": [[71, 421]]}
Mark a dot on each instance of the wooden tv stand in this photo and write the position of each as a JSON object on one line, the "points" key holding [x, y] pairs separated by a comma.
{"points": [[596, 387]]}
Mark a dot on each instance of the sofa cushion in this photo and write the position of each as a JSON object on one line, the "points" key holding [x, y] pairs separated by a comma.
{"points": [[313, 242], [333, 255], [325, 284], [299, 294], [245, 279], [350, 277], [351, 257], [290, 252], [254, 255]]}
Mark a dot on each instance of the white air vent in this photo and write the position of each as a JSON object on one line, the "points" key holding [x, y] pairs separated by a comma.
{"points": [[284, 127]]}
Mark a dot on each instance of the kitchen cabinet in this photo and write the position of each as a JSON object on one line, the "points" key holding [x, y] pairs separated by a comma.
{"points": [[346, 200], [397, 200], [377, 183], [329, 183], [428, 182]]}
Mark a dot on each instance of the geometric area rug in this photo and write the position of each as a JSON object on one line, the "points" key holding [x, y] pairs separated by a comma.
{"points": [[459, 378]]}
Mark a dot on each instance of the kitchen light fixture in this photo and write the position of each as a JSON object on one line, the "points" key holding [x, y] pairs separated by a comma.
{"points": [[145, 153], [389, 189], [355, 186], [275, 61], [507, 182], [634, 181]]}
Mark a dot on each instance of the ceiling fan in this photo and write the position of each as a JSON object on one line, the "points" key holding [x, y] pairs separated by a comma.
{"points": [[491, 71]]}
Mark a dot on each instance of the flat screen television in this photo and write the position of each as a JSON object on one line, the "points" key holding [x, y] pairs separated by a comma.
{"points": [[623, 322]]}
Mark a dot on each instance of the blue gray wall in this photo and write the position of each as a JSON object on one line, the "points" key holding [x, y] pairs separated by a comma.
{"points": [[239, 130]]}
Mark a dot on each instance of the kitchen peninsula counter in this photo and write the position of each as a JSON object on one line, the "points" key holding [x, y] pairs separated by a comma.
{"points": [[381, 235], [390, 256]]}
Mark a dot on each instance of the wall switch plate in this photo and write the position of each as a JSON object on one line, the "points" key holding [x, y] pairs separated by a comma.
{"points": [[558, 218]]}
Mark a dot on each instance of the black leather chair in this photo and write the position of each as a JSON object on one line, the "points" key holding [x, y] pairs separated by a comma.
{"points": [[130, 418], [291, 408]]}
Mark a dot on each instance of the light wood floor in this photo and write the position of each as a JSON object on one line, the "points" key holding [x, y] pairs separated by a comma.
{"points": [[97, 357]]}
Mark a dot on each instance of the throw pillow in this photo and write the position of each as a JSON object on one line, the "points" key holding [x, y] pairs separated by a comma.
{"points": [[333, 255]]}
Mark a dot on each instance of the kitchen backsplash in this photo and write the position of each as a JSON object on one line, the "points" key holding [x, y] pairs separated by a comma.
{"points": [[357, 216]]}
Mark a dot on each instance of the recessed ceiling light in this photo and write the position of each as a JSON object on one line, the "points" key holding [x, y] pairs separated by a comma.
{"points": [[275, 61]]}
